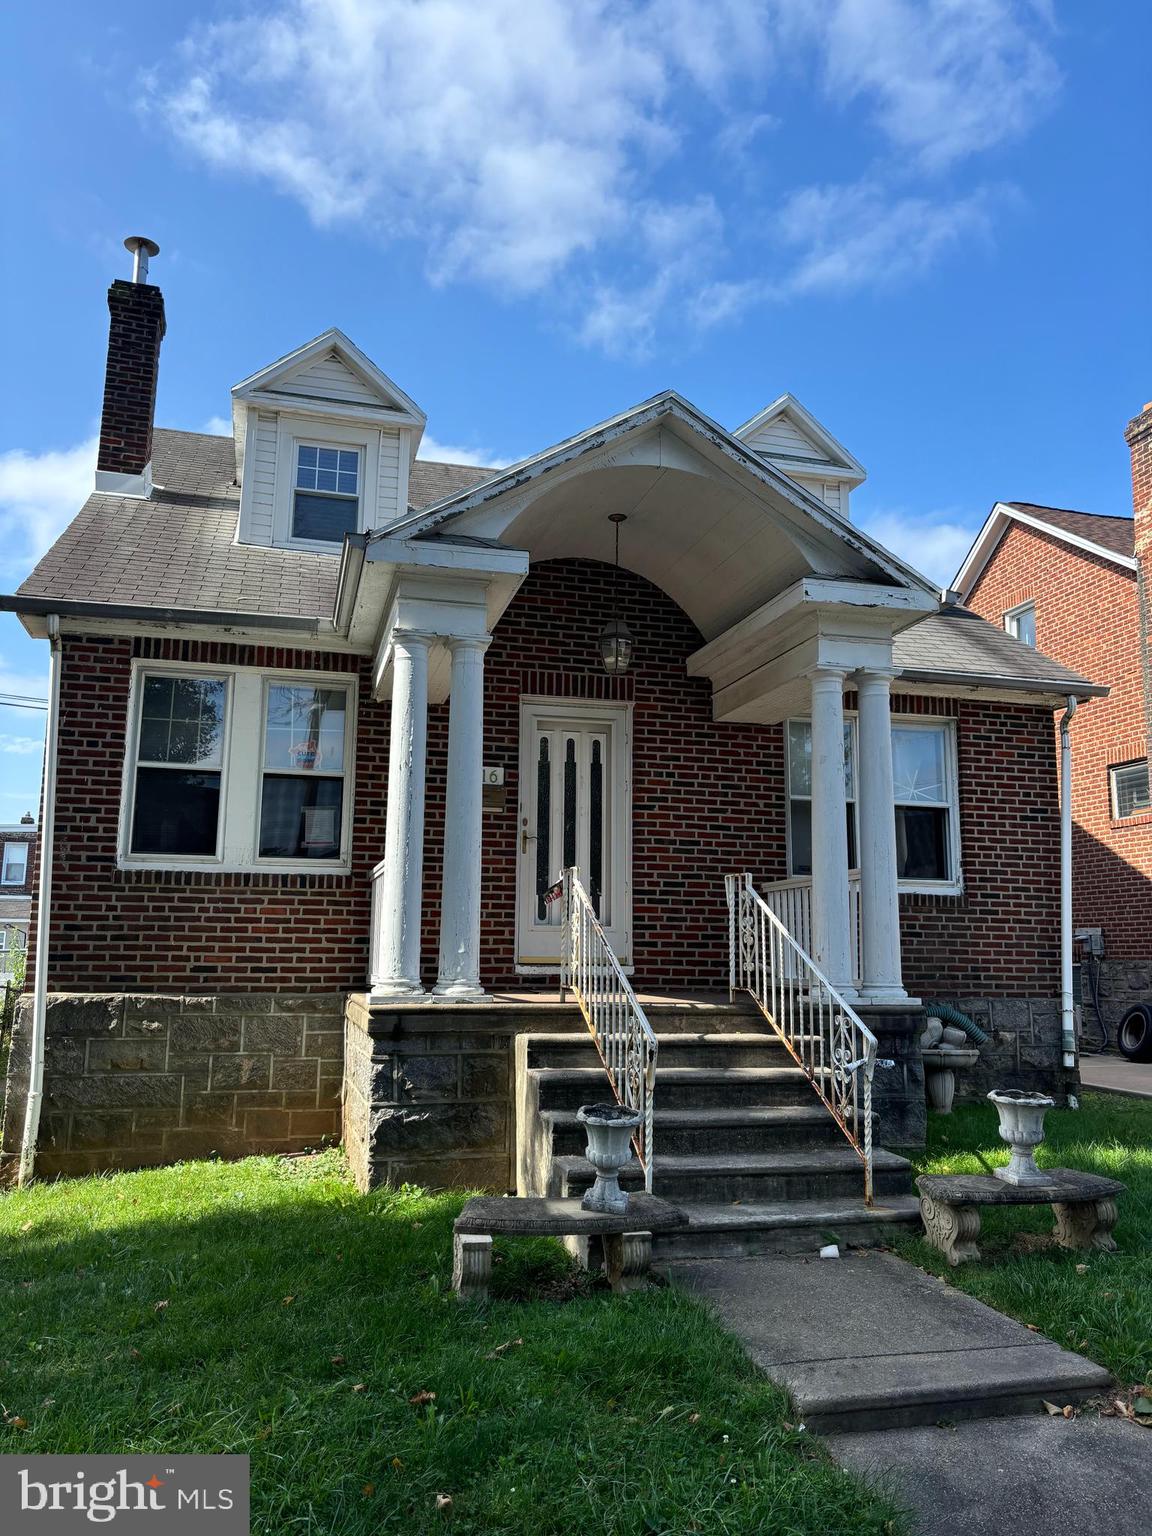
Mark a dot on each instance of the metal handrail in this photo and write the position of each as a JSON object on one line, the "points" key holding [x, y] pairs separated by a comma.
{"points": [[826, 1038], [620, 1031]]}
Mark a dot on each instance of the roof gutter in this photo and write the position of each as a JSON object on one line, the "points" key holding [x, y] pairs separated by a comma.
{"points": [[42, 607], [1057, 687]]}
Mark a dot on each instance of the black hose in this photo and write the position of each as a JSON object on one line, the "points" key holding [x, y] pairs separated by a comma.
{"points": [[1093, 968]]}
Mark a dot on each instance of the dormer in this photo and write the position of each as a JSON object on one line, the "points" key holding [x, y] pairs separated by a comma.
{"points": [[791, 439], [324, 445]]}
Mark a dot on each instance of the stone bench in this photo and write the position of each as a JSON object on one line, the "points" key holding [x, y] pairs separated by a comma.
{"points": [[1083, 1203], [627, 1239]]}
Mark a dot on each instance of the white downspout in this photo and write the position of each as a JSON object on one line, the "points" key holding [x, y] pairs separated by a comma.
{"points": [[1067, 1006], [43, 913]]}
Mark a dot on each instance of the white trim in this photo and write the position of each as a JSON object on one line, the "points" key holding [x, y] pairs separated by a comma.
{"points": [[583, 713], [788, 405], [954, 884], [996, 524], [109, 482], [291, 433], [5, 855], [332, 340], [241, 770], [1010, 619], [1113, 770]]}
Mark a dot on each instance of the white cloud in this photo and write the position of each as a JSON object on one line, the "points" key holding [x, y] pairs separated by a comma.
{"points": [[21, 746], [454, 453], [857, 236], [217, 426], [39, 494], [542, 148], [934, 543]]}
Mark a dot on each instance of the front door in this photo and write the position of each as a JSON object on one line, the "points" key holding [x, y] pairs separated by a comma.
{"points": [[575, 809]]}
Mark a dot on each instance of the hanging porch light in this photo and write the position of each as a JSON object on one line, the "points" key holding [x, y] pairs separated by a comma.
{"points": [[616, 638]]}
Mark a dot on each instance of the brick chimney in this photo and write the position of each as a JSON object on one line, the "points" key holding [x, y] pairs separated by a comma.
{"points": [[1138, 436], [135, 331]]}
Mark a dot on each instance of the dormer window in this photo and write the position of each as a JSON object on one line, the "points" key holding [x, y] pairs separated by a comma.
{"points": [[326, 495]]}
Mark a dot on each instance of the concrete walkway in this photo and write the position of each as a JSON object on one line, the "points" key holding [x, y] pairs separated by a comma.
{"points": [[934, 1395], [1118, 1075], [1030, 1476], [869, 1342]]}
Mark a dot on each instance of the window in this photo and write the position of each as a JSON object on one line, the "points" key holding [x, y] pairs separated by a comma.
{"points": [[800, 794], [1130, 789], [302, 788], [179, 761], [922, 784], [232, 768], [1021, 622], [924, 791], [326, 494], [15, 867]]}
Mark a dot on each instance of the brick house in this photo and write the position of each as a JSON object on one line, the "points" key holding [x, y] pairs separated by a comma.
{"points": [[17, 849], [1076, 584], [332, 718]]}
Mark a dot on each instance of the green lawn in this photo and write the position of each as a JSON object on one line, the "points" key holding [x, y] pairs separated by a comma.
{"points": [[1095, 1303], [265, 1307]]}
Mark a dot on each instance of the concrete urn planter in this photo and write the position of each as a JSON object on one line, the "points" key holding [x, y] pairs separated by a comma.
{"points": [[942, 1051], [1022, 1127], [609, 1130]]}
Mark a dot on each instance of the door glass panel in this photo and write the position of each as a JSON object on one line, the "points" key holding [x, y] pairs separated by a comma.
{"points": [[543, 827], [596, 827], [570, 803]]}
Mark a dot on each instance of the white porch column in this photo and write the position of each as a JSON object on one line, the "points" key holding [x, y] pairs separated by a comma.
{"points": [[396, 943], [830, 936], [459, 978], [876, 833]]}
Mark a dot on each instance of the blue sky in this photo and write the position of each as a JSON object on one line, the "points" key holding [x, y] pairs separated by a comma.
{"points": [[925, 218]]}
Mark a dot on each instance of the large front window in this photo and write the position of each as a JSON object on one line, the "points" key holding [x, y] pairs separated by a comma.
{"points": [[233, 768], [924, 792], [326, 494]]}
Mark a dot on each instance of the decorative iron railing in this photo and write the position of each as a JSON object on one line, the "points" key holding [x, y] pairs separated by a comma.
{"points": [[620, 1031], [791, 901], [825, 1037]]}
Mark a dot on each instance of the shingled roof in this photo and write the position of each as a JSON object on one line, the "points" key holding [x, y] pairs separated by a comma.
{"points": [[1115, 533], [178, 549], [957, 645]]}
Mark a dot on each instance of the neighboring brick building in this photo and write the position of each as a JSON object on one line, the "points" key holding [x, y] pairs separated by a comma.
{"points": [[17, 857], [332, 719], [1077, 584]]}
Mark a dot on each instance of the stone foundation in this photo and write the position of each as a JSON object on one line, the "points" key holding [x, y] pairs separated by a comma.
{"points": [[1025, 1050], [428, 1093], [1121, 983], [131, 1081], [898, 1090]]}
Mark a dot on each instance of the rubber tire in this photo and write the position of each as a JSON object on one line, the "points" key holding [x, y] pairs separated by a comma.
{"points": [[1134, 1037]]}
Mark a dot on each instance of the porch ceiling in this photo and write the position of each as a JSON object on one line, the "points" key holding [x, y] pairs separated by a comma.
{"points": [[712, 532]]}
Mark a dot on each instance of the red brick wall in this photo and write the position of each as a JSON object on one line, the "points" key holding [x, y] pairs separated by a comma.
{"points": [[135, 331], [1001, 938], [707, 799], [150, 931], [1088, 617]]}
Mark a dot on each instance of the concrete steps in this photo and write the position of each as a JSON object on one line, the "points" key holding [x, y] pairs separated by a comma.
{"points": [[738, 1128], [799, 1173], [742, 1143]]}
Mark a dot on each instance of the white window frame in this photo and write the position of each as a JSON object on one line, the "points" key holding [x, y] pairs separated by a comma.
{"points": [[1113, 770], [1012, 618], [953, 885], [241, 770], [4, 880], [295, 432]]}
